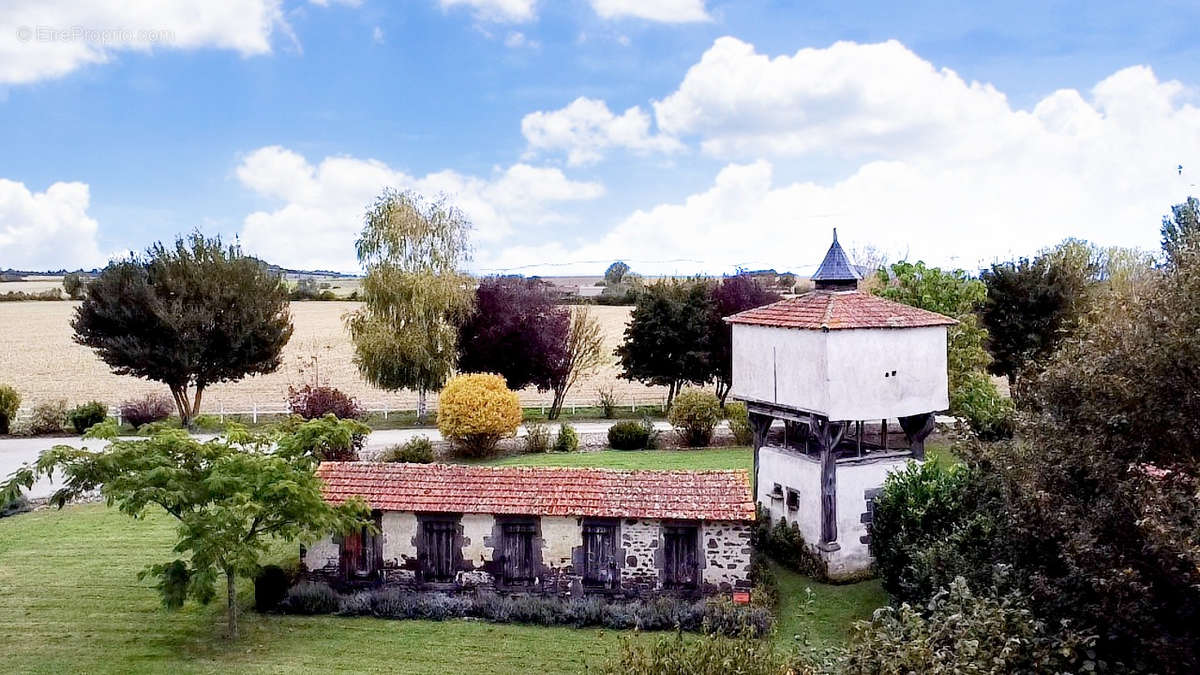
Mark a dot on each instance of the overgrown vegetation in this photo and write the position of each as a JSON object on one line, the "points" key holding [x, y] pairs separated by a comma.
{"points": [[314, 401], [418, 450], [48, 417], [694, 415], [10, 401], [145, 410]]}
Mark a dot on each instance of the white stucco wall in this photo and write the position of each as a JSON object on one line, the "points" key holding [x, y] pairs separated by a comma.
{"points": [[321, 553], [841, 373], [859, 359], [560, 534], [803, 474], [477, 533], [780, 365], [399, 530], [797, 472]]}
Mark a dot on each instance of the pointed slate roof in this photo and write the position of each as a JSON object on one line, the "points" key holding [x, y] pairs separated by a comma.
{"points": [[836, 267]]}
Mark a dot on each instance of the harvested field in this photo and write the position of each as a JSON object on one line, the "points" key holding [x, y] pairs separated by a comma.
{"points": [[39, 359]]}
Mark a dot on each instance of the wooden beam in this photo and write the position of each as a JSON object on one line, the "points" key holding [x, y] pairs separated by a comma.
{"points": [[917, 428], [760, 425], [824, 437]]}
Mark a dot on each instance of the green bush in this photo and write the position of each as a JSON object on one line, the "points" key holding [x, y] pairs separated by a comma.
{"points": [[82, 417], [48, 417], [784, 543], [707, 655], [270, 587], [208, 423], [10, 400], [567, 439], [537, 437], [328, 438], [19, 505], [418, 450], [930, 524], [739, 422], [694, 414], [989, 414], [630, 435], [959, 631]]}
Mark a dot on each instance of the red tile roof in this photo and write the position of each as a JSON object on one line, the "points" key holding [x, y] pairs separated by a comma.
{"points": [[839, 310], [544, 491]]}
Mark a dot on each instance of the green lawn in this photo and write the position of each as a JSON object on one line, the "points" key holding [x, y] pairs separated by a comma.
{"points": [[70, 601]]}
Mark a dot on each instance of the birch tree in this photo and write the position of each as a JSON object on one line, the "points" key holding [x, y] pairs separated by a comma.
{"points": [[414, 294]]}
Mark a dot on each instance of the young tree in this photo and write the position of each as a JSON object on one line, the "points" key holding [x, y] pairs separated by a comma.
{"points": [[1181, 225], [231, 497], [732, 295], [667, 341], [517, 330], [414, 294], [188, 316], [583, 355], [615, 274]]}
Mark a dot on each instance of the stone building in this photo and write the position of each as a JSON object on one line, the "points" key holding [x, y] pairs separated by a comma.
{"points": [[564, 531], [823, 375]]}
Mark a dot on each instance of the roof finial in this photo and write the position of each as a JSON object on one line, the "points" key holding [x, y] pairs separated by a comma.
{"points": [[835, 235]]}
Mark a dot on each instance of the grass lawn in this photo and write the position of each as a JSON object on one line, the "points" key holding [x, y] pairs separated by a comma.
{"points": [[70, 601]]}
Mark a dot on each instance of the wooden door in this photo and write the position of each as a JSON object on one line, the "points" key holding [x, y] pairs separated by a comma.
{"points": [[438, 551], [681, 568], [518, 554], [600, 562]]}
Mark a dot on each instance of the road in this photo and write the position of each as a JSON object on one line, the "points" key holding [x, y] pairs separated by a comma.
{"points": [[15, 452]]}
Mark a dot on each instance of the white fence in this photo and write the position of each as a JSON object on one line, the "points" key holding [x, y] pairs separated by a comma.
{"points": [[385, 409]]}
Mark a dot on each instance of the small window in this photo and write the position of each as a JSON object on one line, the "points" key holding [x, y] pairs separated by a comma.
{"points": [[793, 500], [518, 554], [599, 555], [681, 568], [439, 550]]}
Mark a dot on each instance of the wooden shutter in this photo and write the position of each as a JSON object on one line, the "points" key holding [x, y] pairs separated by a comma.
{"points": [[680, 563], [518, 554], [438, 554], [599, 549]]}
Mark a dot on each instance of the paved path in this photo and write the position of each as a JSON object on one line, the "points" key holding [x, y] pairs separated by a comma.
{"points": [[17, 451]]}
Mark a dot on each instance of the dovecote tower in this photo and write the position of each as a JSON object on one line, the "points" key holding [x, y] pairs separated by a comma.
{"points": [[836, 366]]}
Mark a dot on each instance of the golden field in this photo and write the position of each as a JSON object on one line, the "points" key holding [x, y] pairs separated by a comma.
{"points": [[40, 360]]}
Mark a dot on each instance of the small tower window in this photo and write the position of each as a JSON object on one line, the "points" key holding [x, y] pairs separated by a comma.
{"points": [[793, 500]]}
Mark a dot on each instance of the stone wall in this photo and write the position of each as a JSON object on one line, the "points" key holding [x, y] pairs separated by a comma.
{"points": [[723, 548]]}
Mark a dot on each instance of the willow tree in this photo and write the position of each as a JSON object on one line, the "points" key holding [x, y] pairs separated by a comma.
{"points": [[414, 294], [581, 356], [189, 315]]}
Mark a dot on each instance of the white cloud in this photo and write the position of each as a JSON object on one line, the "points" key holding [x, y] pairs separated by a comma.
{"points": [[666, 11], [377, 35], [586, 128], [323, 204], [42, 39], [505, 11], [517, 39], [47, 230], [947, 170]]}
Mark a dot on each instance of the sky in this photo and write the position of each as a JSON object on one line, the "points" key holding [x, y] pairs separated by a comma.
{"points": [[683, 136]]}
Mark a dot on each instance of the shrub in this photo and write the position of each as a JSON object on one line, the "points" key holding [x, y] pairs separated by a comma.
{"points": [[963, 632], [932, 523], [784, 543], [161, 425], [630, 435], [739, 423], [694, 414], [418, 450], [208, 422], [988, 413], [328, 439], [312, 402], [608, 401], [708, 655], [270, 587], [537, 437], [19, 505], [48, 417], [10, 400], [82, 417], [567, 439], [475, 411], [311, 597], [149, 408]]}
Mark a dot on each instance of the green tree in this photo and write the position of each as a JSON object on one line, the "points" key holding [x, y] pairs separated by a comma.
{"points": [[414, 294], [1183, 224], [615, 274], [231, 497], [668, 338], [189, 316]]}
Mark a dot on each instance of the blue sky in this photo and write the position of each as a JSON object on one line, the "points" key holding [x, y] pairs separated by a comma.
{"points": [[682, 135]]}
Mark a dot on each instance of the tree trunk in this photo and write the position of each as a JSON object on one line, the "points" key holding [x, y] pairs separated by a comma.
{"points": [[671, 391], [557, 404], [179, 393], [231, 599], [422, 406], [723, 388]]}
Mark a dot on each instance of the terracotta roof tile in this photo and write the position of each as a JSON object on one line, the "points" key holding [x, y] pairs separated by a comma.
{"points": [[839, 310], [543, 491]]}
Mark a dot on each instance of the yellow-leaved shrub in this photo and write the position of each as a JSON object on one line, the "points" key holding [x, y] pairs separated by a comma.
{"points": [[475, 411]]}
